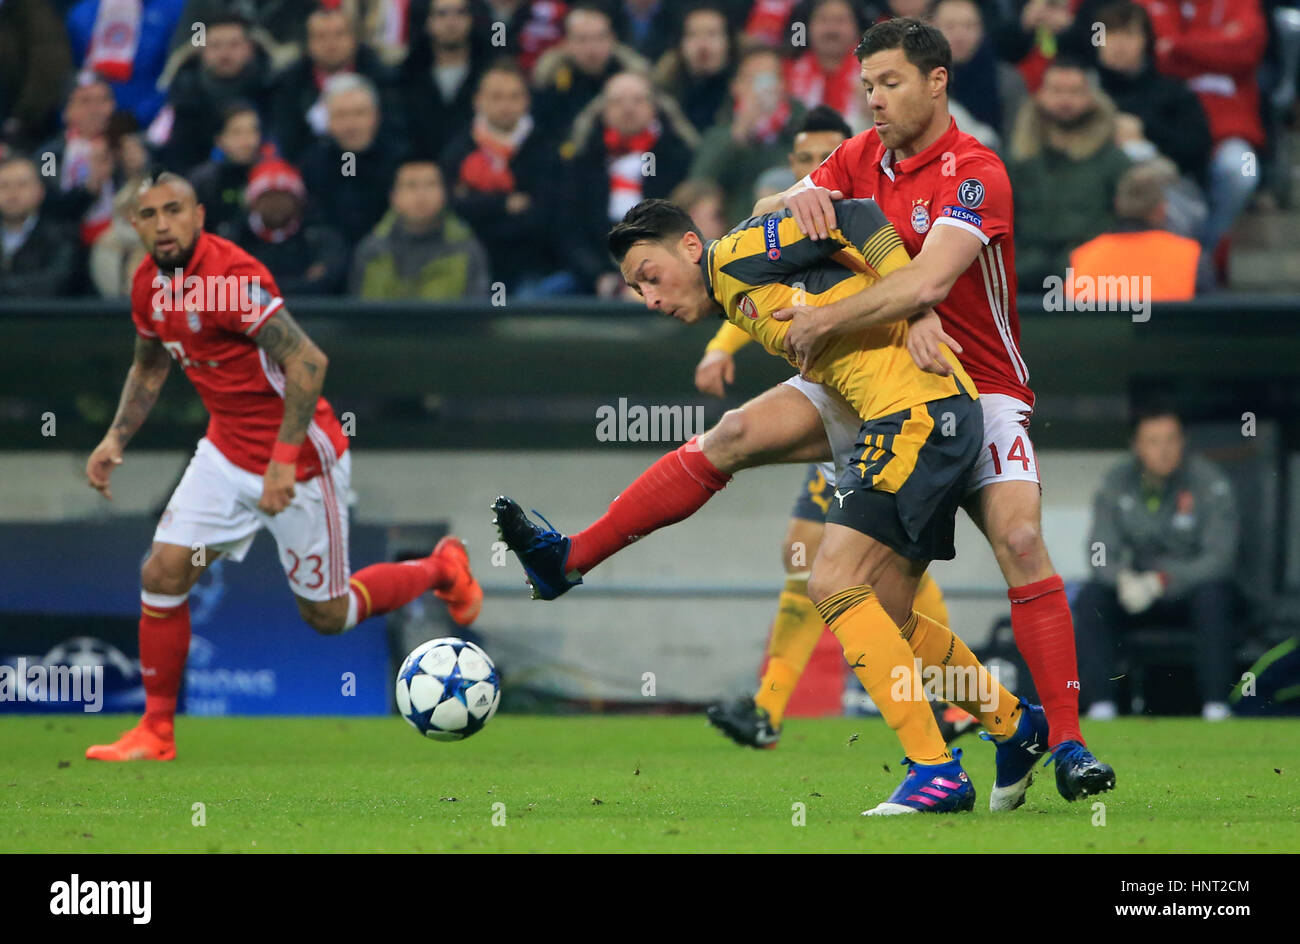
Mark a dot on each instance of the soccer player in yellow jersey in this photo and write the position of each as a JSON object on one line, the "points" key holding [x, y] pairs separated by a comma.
{"points": [[796, 628], [903, 440]]}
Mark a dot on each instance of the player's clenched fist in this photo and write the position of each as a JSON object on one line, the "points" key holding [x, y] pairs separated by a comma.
{"points": [[714, 371], [99, 467], [277, 488], [814, 210]]}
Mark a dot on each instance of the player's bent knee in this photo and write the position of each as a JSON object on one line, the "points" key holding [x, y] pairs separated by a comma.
{"points": [[825, 582], [157, 577], [1022, 541], [724, 444]]}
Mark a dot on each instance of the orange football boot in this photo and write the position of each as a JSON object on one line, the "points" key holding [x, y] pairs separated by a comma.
{"points": [[140, 743], [464, 598]]}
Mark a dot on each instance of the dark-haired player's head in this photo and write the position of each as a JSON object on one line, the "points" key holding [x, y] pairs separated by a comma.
{"points": [[502, 98], [820, 132], [418, 195], [1067, 96], [168, 218], [905, 69], [1129, 37], [228, 46], [240, 137], [658, 250], [1158, 440]]}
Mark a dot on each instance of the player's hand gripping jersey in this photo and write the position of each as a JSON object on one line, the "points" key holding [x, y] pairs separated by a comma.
{"points": [[766, 264]]}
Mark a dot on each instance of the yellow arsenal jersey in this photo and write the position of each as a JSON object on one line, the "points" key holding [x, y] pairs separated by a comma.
{"points": [[766, 264]]}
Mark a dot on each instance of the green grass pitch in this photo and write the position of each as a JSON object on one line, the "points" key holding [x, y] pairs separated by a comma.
{"points": [[618, 784]]}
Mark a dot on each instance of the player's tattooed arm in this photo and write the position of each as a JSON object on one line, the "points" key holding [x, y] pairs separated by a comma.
{"points": [[144, 382], [304, 372]]}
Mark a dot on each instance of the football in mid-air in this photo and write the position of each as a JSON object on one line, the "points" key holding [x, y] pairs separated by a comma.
{"points": [[448, 689]]}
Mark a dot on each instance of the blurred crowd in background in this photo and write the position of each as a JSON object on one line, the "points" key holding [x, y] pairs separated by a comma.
{"points": [[441, 149]]}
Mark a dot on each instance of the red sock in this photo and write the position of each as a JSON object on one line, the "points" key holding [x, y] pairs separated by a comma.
{"points": [[380, 588], [1044, 631], [164, 646], [672, 489]]}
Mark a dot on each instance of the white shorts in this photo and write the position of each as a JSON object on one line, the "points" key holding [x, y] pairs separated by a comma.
{"points": [[215, 507], [1007, 454], [840, 420]]}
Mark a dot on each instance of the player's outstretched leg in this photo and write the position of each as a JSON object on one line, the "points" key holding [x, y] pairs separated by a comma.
{"points": [[381, 588], [780, 425], [672, 489]]}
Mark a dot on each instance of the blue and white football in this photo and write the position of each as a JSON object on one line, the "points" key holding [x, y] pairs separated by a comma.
{"points": [[448, 689]]}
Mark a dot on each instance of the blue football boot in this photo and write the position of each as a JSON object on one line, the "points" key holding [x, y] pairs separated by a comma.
{"points": [[1078, 773], [542, 551], [1016, 757], [930, 788]]}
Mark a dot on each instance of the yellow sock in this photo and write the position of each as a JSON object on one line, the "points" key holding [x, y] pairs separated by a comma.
{"points": [[794, 636], [975, 689], [885, 666], [930, 602]]}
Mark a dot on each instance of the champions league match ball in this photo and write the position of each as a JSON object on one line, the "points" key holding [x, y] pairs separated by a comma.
{"points": [[448, 689]]}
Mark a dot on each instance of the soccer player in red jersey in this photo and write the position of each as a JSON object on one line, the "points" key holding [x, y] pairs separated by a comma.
{"points": [[950, 200], [274, 455]]}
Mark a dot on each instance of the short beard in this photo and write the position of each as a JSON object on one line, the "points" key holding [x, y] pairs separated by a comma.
{"points": [[185, 256]]}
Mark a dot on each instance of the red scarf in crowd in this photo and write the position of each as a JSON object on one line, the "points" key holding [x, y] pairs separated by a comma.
{"points": [[807, 81], [616, 144], [486, 169]]}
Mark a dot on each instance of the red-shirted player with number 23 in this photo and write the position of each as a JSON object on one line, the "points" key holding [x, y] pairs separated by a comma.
{"points": [[950, 200], [274, 455]]}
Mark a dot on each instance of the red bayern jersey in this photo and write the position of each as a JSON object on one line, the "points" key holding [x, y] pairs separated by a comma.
{"points": [[207, 319], [956, 181]]}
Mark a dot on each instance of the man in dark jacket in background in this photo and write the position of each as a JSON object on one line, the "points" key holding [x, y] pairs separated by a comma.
{"points": [[499, 174], [230, 68], [38, 258], [1163, 542], [1170, 114], [624, 150], [350, 170], [298, 114]]}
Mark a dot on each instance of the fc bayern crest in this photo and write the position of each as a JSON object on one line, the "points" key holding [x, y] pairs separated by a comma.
{"points": [[971, 193], [920, 219], [747, 307], [192, 319]]}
